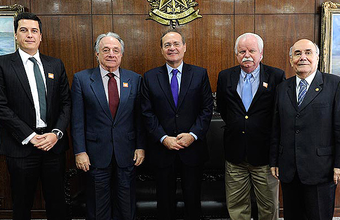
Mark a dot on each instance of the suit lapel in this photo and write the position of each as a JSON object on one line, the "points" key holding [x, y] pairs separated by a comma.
{"points": [[264, 78], [20, 72], [187, 75], [125, 87], [48, 69], [314, 90], [163, 79], [291, 91], [98, 90]]}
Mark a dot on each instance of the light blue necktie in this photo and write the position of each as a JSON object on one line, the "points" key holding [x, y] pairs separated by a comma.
{"points": [[302, 92], [247, 95], [40, 87], [174, 85]]}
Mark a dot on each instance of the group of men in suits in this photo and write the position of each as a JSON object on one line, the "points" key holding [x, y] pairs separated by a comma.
{"points": [[289, 131]]}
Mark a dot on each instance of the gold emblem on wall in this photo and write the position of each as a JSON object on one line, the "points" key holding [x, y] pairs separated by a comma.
{"points": [[173, 12]]}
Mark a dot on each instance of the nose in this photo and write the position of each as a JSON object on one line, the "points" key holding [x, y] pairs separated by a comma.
{"points": [[303, 56], [247, 54]]}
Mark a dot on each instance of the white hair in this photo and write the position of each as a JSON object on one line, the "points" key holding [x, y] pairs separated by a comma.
{"points": [[317, 50], [258, 38]]}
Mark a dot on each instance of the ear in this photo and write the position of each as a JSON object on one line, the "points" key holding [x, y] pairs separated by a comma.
{"points": [[185, 48], [291, 62]]}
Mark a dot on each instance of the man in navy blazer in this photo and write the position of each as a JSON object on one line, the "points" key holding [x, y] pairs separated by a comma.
{"points": [[33, 121], [177, 107], [305, 147], [108, 143], [247, 130]]}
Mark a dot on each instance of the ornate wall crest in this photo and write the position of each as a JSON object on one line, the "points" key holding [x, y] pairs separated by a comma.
{"points": [[173, 12]]}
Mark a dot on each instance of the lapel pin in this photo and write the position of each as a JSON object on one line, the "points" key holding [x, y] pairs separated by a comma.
{"points": [[125, 85], [317, 89], [265, 85], [51, 75]]}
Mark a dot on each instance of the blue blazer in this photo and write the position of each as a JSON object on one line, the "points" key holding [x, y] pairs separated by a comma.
{"points": [[192, 114], [93, 129]]}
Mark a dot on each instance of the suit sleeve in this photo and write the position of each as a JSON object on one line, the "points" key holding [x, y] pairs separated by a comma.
{"points": [[201, 125], [151, 122], [139, 125], [65, 101], [221, 105], [275, 135], [78, 117], [19, 129], [336, 116]]}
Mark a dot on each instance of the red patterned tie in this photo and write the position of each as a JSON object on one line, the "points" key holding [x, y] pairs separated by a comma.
{"points": [[113, 94]]}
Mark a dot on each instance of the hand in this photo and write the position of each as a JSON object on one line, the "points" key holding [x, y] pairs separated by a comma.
{"points": [[139, 156], [275, 172], [83, 161], [185, 139], [171, 143], [336, 175], [45, 141]]}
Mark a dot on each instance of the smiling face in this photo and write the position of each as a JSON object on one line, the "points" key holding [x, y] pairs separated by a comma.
{"points": [[304, 58], [110, 53], [28, 36], [248, 53], [173, 49]]}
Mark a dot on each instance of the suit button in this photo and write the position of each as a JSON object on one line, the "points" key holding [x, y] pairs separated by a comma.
{"points": [[297, 131], [243, 132], [298, 115], [177, 116], [246, 117]]}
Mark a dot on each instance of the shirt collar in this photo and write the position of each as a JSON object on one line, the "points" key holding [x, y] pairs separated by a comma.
{"points": [[309, 79], [179, 68], [24, 56], [255, 73], [104, 72]]}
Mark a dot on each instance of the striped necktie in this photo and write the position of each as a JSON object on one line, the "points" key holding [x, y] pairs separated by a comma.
{"points": [[302, 92]]}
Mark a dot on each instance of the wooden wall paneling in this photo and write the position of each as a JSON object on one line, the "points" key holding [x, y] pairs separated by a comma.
{"points": [[60, 7], [337, 202], [279, 33], [209, 42], [243, 24], [142, 42], [131, 7], [70, 39], [244, 7], [101, 24], [101, 7], [284, 6], [215, 7], [25, 3]]}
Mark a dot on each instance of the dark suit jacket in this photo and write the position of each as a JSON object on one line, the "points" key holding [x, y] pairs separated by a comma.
{"points": [[192, 114], [306, 139], [247, 134], [94, 131], [17, 113]]}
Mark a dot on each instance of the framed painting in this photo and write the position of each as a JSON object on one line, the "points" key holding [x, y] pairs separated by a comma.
{"points": [[7, 39], [330, 38]]}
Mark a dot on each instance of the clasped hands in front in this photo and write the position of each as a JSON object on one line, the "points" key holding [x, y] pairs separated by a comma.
{"points": [[44, 142], [182, 141]]}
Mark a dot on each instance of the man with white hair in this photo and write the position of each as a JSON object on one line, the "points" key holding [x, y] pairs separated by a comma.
{"points": [[305, 145], [245, 99]]}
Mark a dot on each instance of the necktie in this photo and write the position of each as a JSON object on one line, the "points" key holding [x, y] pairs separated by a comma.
{"points": [[113, 94], [302, 91], [174, 85], [40, 87], [247, 95]]}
